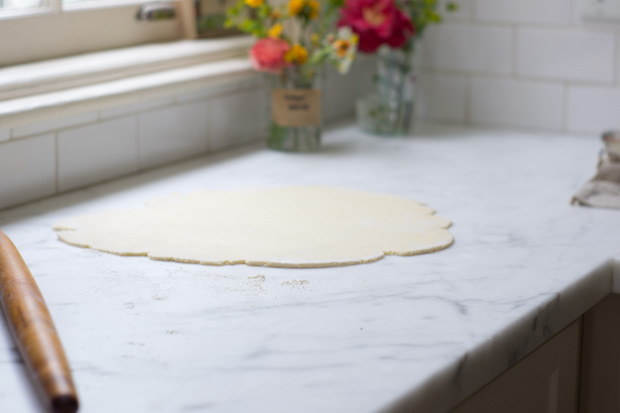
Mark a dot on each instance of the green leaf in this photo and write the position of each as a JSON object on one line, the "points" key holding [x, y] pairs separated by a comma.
{"points": [[264, 11]]}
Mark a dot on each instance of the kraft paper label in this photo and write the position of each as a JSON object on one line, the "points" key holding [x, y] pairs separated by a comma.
{"points": [[296, 107]]}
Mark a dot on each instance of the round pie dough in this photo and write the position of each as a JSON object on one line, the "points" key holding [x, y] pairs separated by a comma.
{"points": [[279, 227]]}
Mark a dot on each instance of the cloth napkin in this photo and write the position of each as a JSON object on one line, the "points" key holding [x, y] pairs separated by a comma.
{"points": [[603, 190]]}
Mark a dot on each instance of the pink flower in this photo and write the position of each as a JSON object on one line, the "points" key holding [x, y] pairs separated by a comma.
{"points": [[267, 55], [376, 22]]}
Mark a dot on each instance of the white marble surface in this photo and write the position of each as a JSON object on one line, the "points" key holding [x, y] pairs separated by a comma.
{"points": [[148, 336]]}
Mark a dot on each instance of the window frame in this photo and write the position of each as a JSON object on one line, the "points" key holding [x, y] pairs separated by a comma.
{"points": [[53, 31]]}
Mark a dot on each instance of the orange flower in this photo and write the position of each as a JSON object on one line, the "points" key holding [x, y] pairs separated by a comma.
{"points": [[341, 47]]}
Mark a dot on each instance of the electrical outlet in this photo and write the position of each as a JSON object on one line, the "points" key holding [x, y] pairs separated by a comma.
{"points": [[607, 11]]}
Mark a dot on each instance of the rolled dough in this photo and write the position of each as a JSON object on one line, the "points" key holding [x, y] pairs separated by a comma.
{"points": [[279, 227]]}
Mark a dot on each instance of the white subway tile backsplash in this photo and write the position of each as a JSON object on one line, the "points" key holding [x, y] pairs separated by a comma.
{"points": [[517, 103], [465, 9], [484, 49], [212, 90], [96, 152], [239, 118], [534, 44], [53, 124], [563, 54], [441, 97], [201, 94], [173, 133], [617, 58], [135, 107], [364, 74], [339, 96], [89, 148], [593, 109], [528, 11], [27, 169]]}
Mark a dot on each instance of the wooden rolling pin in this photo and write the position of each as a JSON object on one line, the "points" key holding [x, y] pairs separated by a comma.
{"points": [[34, 331]]}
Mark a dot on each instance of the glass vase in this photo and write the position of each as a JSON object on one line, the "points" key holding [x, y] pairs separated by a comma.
{"points": [[388, 109], [296, 113]]}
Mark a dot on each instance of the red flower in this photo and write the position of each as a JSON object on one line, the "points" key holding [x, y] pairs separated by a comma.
{"points": [[376, 22], [267, 55]]}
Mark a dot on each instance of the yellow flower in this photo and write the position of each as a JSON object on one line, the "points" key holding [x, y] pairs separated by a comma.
{"points": [[254, 3], [295, 6], [296, 54], [275, 31], [314, 8], [341, 47], [314, 39], [276, 15]]}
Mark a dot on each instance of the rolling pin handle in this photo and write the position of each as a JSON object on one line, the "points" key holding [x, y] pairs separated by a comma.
{"points": [[64, 404]]}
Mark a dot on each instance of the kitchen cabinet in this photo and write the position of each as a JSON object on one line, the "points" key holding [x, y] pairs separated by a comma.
{"points": [[546, 381], [577, 370], [600, 371]]}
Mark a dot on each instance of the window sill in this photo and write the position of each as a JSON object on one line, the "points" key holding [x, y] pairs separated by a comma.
{"points": [[69, 86]]}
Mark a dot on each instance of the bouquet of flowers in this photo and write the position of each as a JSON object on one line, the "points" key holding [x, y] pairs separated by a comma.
{"points": [[294, 36], [391, 22], [389, 27], [295, 40]]}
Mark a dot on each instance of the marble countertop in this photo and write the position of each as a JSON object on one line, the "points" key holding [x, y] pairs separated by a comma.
{"points": [[426, 331]]}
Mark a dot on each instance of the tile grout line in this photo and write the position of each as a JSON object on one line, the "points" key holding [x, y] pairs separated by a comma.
{"points": [[574, 11], [530, 25], [469, 80], [522, 78], [565, 106], [57, 128], [473, 15], [209, 129], [137, 141], [57, 163], [615, 62], [515, 53]]}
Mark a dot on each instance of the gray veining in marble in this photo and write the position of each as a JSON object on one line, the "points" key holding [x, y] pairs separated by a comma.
{"points": [[426, 331]]}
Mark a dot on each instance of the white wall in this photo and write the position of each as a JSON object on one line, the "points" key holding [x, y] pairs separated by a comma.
{"points": [[530, 64]]}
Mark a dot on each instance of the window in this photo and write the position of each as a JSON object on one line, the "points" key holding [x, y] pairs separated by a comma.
{"points": [[20, 4], [32, 30]]}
